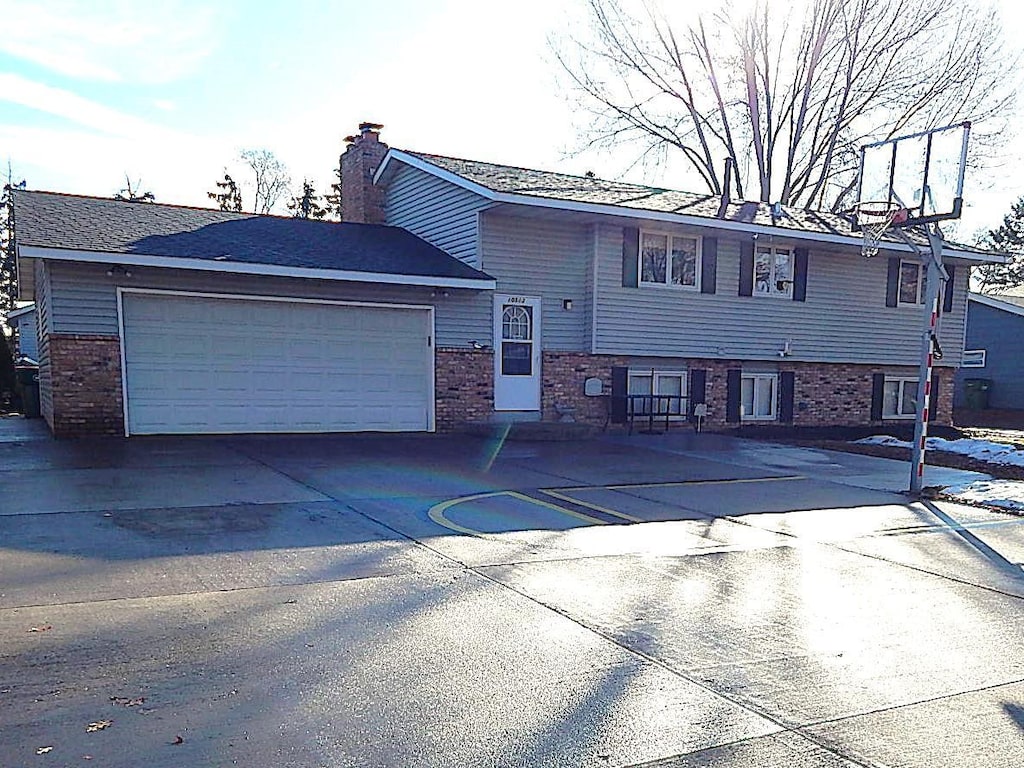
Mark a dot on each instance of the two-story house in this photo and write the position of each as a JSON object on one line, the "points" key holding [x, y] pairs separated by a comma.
{"points": [[462, 291]]}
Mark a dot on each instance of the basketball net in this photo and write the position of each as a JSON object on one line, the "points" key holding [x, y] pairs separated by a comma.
{"points": [[875, 219]]}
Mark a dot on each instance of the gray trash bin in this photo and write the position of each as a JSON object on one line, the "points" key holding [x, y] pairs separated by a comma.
{"points": [[27, 378], [976, 393]]}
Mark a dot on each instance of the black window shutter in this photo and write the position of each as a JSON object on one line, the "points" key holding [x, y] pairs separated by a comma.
{"points": [[630, 256], [933, 397], [947, 300], [800, 274], [787, 387], [697, 387], [709, 265], [746, 269], [892, 285], [620, 387], [877, 392], [733, 379]]}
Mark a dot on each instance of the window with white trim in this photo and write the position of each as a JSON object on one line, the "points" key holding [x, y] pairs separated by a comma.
{"points": [[899, 397], [913, 283], [759, 396], [669, 260], [773, 271], [973, 358], [654, 382]]}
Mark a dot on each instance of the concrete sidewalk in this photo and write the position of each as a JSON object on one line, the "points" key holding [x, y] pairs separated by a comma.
{"points": [[671, 600]]}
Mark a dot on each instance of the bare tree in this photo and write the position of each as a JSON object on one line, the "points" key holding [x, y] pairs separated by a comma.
{"points": [[132, 192], [788, 92], [271, 178]]}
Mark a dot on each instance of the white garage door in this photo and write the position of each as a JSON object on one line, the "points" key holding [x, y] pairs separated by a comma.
{"points": [[225, 365]]}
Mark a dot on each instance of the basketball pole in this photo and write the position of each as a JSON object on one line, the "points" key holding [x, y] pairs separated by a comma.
{"points": [[935, 282]]}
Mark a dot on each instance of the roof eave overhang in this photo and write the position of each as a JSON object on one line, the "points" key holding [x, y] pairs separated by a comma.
{"points": [[991, 301], [14, 314], [245, 268], [25, 271], [605, 209]]}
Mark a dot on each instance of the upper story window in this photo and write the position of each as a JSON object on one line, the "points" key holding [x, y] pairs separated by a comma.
{"points": [[913, 283], [773, 271], [669, 260]]}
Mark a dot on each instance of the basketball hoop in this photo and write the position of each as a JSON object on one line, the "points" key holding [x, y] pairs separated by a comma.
{"points": [[875, 218]]}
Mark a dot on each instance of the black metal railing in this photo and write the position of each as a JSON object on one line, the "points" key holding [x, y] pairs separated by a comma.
{"points": [[655, 410]]}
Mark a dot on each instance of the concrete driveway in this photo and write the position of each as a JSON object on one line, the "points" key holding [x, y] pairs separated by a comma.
{"points": [[673, 600]]}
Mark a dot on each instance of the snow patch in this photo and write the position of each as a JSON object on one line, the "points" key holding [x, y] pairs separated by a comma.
{"points": [[1004, 494], [983, 450]]}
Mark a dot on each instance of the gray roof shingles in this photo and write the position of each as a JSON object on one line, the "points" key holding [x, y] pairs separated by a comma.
{"points": [[52, 220], [584, 189], [510, 179]]}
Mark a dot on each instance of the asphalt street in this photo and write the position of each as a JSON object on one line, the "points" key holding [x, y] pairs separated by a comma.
{"points": [[421, 600]]}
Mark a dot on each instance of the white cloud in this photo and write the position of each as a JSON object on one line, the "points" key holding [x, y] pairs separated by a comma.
{"points": [[111, 40], [61, 103]]}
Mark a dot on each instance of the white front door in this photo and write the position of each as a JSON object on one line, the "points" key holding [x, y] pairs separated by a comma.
{"points": [[516, 353]]}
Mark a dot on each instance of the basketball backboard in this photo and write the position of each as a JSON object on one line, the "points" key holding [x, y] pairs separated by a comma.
{"points": [[922, 173]]}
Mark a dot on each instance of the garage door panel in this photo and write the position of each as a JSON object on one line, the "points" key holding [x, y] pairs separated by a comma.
{"points": [[213, 365]]}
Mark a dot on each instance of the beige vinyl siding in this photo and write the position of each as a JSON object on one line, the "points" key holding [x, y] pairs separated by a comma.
{"points": [[844, 318], [85, 298], [438, 211], [546, 258]]}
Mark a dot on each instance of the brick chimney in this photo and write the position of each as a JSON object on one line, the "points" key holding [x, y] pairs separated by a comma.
{"points": [[361, 201]]}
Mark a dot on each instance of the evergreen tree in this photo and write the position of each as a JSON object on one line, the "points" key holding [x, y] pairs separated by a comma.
{"points": [[228, 196], [8, 286], [332, 199], [8, 265], [307, 204], [1008, 238]]}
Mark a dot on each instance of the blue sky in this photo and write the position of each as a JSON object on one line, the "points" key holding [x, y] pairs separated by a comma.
{"points": [[169, 92]]}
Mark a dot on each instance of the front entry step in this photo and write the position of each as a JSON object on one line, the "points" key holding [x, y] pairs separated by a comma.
{"points": [[514, 417], [540, 431]]}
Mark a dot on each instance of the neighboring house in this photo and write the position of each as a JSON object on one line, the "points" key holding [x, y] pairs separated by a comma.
{"points": [[492, 292], [994, 349], [23, 320]]}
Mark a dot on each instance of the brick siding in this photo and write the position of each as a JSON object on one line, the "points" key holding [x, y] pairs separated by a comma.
{"points": [[840, 395], [463, 386], [84, 381], [825, 394], [563, 377], [81, 383]]}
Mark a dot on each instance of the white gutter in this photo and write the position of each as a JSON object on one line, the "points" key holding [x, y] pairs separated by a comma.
{"points": [[606, 209], [244, 268]]}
